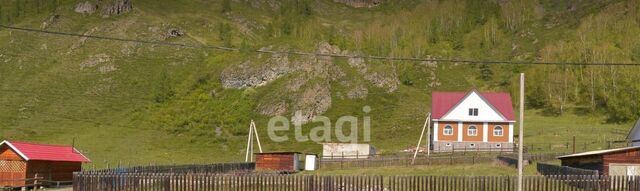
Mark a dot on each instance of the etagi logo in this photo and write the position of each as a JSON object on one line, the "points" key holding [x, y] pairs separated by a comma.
{"points": [[323, 132]]}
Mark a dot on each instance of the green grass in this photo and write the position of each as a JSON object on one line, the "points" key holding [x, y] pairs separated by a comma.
{"points": [[115, 118], [488, 169], [553, 134]]}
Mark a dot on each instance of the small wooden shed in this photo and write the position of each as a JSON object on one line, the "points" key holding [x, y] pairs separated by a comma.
{"points": [[21, 161], [278, 161], [614, 162]]}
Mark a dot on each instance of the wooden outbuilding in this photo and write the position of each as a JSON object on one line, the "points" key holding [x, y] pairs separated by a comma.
{"points": [[21, 162], [278, 161], [614, 162]]}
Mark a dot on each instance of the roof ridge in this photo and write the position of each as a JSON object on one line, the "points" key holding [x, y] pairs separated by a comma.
{"points": [[41, 144]]}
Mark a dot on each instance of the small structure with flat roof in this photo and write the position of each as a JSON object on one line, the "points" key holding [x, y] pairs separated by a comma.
{"points": [[278, 161], [613, 162], [21, 162]]}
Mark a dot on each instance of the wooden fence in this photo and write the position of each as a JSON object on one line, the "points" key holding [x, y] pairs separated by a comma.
{"points": [[401, 161], [549, 169], [214, 182], [219, 168], [393, 160]]}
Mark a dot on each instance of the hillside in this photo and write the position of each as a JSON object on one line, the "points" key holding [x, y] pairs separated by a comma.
{"points": [[151, 103]]}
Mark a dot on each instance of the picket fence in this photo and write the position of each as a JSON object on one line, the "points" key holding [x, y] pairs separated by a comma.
{"points": [[255, 182]]}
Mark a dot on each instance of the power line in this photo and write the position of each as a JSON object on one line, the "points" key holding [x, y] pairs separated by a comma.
{"points": [[465, 61]]}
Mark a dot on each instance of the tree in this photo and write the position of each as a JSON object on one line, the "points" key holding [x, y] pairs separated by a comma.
{"points": [[226, 6], [164, 91], [485, 72], [224, 33], [304, 8], [1, 12], [18, 9]]}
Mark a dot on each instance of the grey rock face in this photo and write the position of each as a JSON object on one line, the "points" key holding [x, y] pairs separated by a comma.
{"points": [[118, 7], [174, 33], [360, 3], [86, 7]]}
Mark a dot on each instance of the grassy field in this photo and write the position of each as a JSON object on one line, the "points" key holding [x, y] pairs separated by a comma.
{"points": [[488, 169], [137, 104]]}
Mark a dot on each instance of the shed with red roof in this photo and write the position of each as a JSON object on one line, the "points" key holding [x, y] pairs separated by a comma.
{"points": [[472, 121], [20, 162]]}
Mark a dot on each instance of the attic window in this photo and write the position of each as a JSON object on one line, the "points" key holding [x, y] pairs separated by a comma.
{"points": [[473, 111]]}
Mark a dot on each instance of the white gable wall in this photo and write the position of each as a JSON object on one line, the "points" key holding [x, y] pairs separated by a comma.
{"points": [[461, 111]]}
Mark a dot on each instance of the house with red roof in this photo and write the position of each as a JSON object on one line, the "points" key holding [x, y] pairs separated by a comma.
{"points": [[472, 121], [20, 162]]}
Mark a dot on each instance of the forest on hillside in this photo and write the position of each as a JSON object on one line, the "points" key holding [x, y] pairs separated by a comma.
{"points": [[50, 83]]}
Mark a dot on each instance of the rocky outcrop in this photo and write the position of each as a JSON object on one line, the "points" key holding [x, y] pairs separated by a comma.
{"points": [[86, 7], [94, 60], [174, 33], [117, 7], [312, 102], [360, 3], [307, 92], [254, 73], [357, 92], [387, 79]]}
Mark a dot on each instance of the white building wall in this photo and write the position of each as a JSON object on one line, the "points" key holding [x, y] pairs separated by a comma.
{"points": [[459, 131], [511, 132], [346, 150], [473, 100], [435, 131], [485, 132]]}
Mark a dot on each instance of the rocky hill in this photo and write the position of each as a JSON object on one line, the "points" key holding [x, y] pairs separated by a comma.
{"points": [[144, 99]]}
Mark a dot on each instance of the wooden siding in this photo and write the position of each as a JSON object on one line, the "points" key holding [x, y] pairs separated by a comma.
{"points": [[442, 136], [12, 168], [6, 153], [622, 157], [53, 170], [276, 162], [12, 173]]}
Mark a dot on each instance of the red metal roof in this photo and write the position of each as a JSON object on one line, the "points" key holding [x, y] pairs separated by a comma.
{"points": [[31, 151], [442, 102]]}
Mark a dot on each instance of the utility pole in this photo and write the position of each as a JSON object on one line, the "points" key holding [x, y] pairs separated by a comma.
{"points": [[521, 134], [426, 121], [253, 131], [574, 144]]}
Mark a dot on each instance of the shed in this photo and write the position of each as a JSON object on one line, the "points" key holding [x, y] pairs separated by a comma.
{"points": [[20, 161], [614, 162], [634, 134], [347, 150], [278, 161]]}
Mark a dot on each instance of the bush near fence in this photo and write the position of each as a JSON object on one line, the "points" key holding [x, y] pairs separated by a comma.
{"points": [[219, 168], [188, 181]]}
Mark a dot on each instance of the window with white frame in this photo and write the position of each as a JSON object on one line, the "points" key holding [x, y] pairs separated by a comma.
{"points": [[473, 111], [497, 131], [448, 130], [472, 131]]}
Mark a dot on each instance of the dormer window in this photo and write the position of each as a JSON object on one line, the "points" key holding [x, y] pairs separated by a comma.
{"points": [[473, 111]]}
